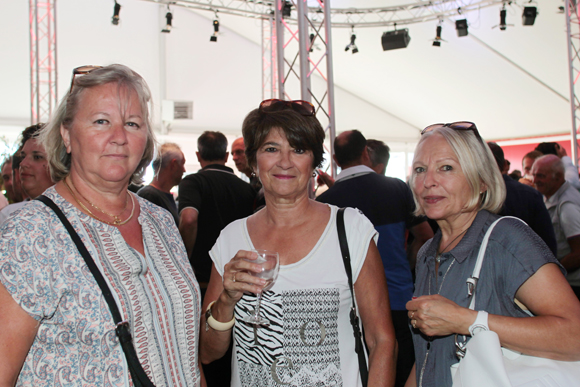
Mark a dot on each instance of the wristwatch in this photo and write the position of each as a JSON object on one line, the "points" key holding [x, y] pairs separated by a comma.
{"points": [[480, 323]]}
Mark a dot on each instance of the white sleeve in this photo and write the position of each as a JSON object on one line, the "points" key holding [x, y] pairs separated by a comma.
{"points": [[570, 219], [571, 174]]}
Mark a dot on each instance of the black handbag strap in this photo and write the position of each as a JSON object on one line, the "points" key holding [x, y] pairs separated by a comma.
{"points": [[138, 375], [358, 346]]}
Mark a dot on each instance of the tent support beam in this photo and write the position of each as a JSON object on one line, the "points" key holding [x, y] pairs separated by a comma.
{"points": [[573, 29]]}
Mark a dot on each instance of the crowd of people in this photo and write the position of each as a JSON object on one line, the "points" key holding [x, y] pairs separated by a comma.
{"points": [[105, 281]]}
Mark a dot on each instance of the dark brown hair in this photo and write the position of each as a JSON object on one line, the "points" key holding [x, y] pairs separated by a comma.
{"points": [[302, 132]]}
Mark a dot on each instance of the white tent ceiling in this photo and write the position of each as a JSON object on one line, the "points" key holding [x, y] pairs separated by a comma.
{"points": [[511, 83]]}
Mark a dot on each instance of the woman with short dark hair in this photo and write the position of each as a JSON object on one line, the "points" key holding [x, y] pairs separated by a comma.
{"points": [[309, 340]]}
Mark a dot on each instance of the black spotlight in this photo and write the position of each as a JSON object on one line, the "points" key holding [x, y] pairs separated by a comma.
{"points": [[437, 40], [169, 18], [352, 45], [502, 19], [392, 40], [117, 10], [529, 16], [286, 9], [461, 27], [216, 29]]}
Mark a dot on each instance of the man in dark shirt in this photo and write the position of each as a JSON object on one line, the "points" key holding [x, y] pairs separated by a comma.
{"points": [[388, 203], [169, 167], [209, 200], [525, 202]]}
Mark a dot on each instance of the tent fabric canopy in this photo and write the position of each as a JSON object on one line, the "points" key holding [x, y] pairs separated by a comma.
{"points": [[511, 83]]}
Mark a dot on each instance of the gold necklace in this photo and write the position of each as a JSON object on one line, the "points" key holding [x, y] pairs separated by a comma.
{"points": [[116, 222], [438, 256]]}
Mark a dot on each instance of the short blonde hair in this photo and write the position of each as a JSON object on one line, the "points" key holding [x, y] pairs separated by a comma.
{"points": [[58, 158], [479, 168]]}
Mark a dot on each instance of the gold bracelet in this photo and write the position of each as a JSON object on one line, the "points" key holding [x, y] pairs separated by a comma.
{"points": [[215, 324]]}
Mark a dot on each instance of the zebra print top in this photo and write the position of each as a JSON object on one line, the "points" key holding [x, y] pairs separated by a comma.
{"points": [[309, 341]]}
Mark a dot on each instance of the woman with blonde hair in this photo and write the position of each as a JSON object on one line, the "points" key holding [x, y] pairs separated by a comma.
{"points": [[456, 182], [96, 288]]}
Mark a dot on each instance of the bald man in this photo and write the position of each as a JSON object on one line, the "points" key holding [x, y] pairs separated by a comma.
{"points": [[563, 204]]}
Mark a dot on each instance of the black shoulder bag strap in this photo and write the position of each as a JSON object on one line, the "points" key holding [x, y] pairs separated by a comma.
{"points": [[138, 375], [358, 346]]}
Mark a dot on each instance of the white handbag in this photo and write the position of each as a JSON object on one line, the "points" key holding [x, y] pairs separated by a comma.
{"points": [[486, 364]]}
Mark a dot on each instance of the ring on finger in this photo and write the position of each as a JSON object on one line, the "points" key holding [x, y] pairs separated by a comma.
{"points": [[414, 323], [234, 276], [412, 314]]}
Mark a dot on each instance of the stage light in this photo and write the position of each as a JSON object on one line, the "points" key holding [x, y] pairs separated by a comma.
{"points": [[437, 41], [286, 9], [117, 10], [502, 21], [216, 29], [392, 40], [529, 16], [461, 27], [352, 46], [168, 18]]}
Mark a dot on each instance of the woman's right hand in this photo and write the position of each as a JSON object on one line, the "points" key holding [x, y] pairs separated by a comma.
{"points": [[237, 277]]}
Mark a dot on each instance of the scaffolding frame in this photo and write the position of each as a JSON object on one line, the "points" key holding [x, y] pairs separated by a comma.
{"points": [[573, 32], [43, 70], [303, 51]]}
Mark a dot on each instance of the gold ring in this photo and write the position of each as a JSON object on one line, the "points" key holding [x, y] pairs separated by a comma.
{"points": [[234, 276], [414, 323]]}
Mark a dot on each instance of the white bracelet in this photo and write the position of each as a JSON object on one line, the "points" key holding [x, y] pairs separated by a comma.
{"points": [[215, 324], [480, 323]]}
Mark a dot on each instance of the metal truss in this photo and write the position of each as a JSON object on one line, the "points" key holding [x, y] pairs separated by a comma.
{"points": [[303, 53], [269, 59], [418, 12], [43, 78], [573, 29]]}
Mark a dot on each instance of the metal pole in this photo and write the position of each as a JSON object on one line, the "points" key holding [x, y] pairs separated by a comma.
{"points": [[330, 84], [54, 59], [303, 48], [280, 47], [273, 49], [571, 73]]}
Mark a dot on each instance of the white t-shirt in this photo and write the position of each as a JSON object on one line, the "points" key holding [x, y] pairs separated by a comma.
{"points": [[309, 340]]}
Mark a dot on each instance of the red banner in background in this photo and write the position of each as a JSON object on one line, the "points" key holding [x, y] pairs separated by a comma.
{"points": [[515, 150]]}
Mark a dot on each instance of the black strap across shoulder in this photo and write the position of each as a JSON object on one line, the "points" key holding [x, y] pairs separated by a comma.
{"points": [[358, 347], [138, 375]]}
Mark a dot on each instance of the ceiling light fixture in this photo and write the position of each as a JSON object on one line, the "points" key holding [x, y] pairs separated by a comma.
{"points": [[286, 9], [437, 41], [461, 27], [169, 19], [529, 16], [392, 40], [216, 29], [352, 46], [116, 11]]}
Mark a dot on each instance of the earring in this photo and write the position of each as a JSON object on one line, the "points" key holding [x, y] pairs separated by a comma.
{"points": [[313, 174]]}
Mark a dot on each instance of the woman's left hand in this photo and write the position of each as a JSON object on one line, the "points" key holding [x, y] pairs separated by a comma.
{"points": [[436, 315]]}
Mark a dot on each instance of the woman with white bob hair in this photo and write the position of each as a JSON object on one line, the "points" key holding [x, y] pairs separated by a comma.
{"points": [[455, 181], [95, 285]]}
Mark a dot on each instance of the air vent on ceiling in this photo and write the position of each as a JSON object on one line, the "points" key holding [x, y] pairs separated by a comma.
{"points": [[176, 110]]}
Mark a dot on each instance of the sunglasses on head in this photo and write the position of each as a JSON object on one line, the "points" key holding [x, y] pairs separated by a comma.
{"points": [[459, 125], [82, 70], [304, 108]]}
